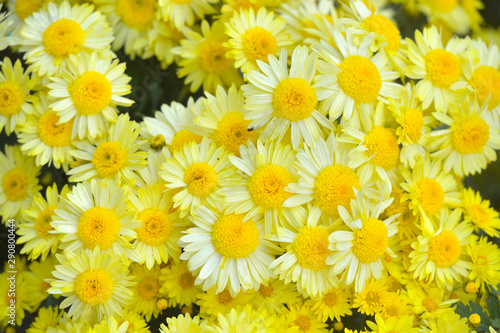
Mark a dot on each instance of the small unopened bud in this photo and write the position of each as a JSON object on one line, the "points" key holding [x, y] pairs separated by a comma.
{"points": [[338, 326], [474, 321], [162, 304], [187, 309], [157, 142], [471, 288]]}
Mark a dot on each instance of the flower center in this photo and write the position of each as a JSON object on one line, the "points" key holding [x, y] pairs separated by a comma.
{"points": [[381, 25], [443, 68], [430, 195], [303, 322], [480, 216], [63, 37], [42, 222], [98, 226], [485, 80], [267, 186], [181, 138], [444, 249], [224, 297], [232, 131], [333, 187], [156, 229], [233, 238], [90, 93], [109, 158], [186, 280], [360, 79], [15, 185], [94, 286], [257, 43], [482, 260], [266, 291], [470, 135], [148, 288], [212, 56], [201, 179], [430, 304], [443, 6], [11, 98], [330, 299], [370, 242], [294, 99], [25, 8], [137, 14], [311, 247], [413, 121], [54, 135], [383, 143]]}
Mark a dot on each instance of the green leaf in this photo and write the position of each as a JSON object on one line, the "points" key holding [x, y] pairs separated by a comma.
{"points": [[479, 310], [493, 306], [463, 310], [495, 323]]}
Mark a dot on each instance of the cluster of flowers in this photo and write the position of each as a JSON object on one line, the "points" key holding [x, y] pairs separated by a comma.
{"points": [[321, 175]]}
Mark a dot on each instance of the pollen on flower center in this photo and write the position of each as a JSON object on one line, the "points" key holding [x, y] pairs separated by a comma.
{"points": [[370, 242], [137, 14], [94, 286], [157, 227], [360, 79], [257, 43], [266, 291], [333, 187], [42, 222], [311, 247], [267, 186], [443, 68], [148, 288], [485, 80], [381, 25], [480, 216], [430, 304], [444, 249], [63, 37], [15, 185], [470, 135], [430, 195], [303, 322], [233, 238], [383, 143], [232, 132], [98, 226], [224, 297], [181, 138], [90, 93], [11, 98], [413, 121], [212, 56], [294, 99], [201, 179], [330, 299], [186, 280], [109, 158], [25, 8], [54, 135]]}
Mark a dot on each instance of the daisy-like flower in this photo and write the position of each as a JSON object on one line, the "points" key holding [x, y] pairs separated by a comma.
{"points": [[212, 303], [451, 12], [372, 298], [273, 296], [16, 101], [110, 325], [89, 91], [160, 226], [39, 272], [18, 174], [479, 212], [178, 284], [255, 36], [115, 157], [183, 324], [244, 320], [448, 323], [136, 322], [393, 324], [227, 252], [428, 300], [96, 285], [283, 100], [352, 77], [52, 36], [300, 318], [203, 59], [147, 290], [184, 12], [333, 305], [437, 67], [46, 319], [439, 253], [485, 258], [162, 38], [198, 172], [19, 11], [35, 228], [469, 144], [358, 253], [94, 214]]}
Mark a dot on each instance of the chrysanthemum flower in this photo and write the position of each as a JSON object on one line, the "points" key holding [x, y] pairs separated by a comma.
{"points": [[449, 323], [47, 318], [19, 11], [334, 304], [255, 36], [94, 214], [372, 298], [485, 258], [300, 318], [439, 253], [479, 212], [89, 91], [18, 175], [212, 303], [274, 295], [183, 324], [147, 290], [428, 300], [21, 298], [453, 13], [40, 271], [407, 222], [178, 284], [244, 320], [226, 251], [110, 325], [161, 39], [393, 324], [136, 322], [16, 101], [184, 12], [52, 36]]}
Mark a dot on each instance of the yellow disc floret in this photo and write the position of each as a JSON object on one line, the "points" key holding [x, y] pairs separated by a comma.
{"points": [[98, 226], [267, 186], [257, 43], [212, 56], [137, 14], [90, 93], [181, 138], [148, 288], [311, 247], [186, 280], [485, 81], [443, 68], [383, 143], [360, 79], [233, 238], [201, 179], [157, 227], [294, 99], [444, 249], [470, 135], [304, 323], [232, 132], [11, 98], [381, 25], [42, 222], [370, 242], [413, 121], [333, 187], [266, 291], [25, 8], [430, 195], [224, 297], [63, 37], [15, 185], [109, 158], [54, 135], [94, 286]]}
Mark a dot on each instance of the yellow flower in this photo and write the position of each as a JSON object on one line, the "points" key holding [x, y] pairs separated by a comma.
{"points": [[479, 212], [485, 258], [178, 284], [372, 299], [184, 12], [46, 319], [334, 304], [146, 290], [183, 324], [300, 318]]}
